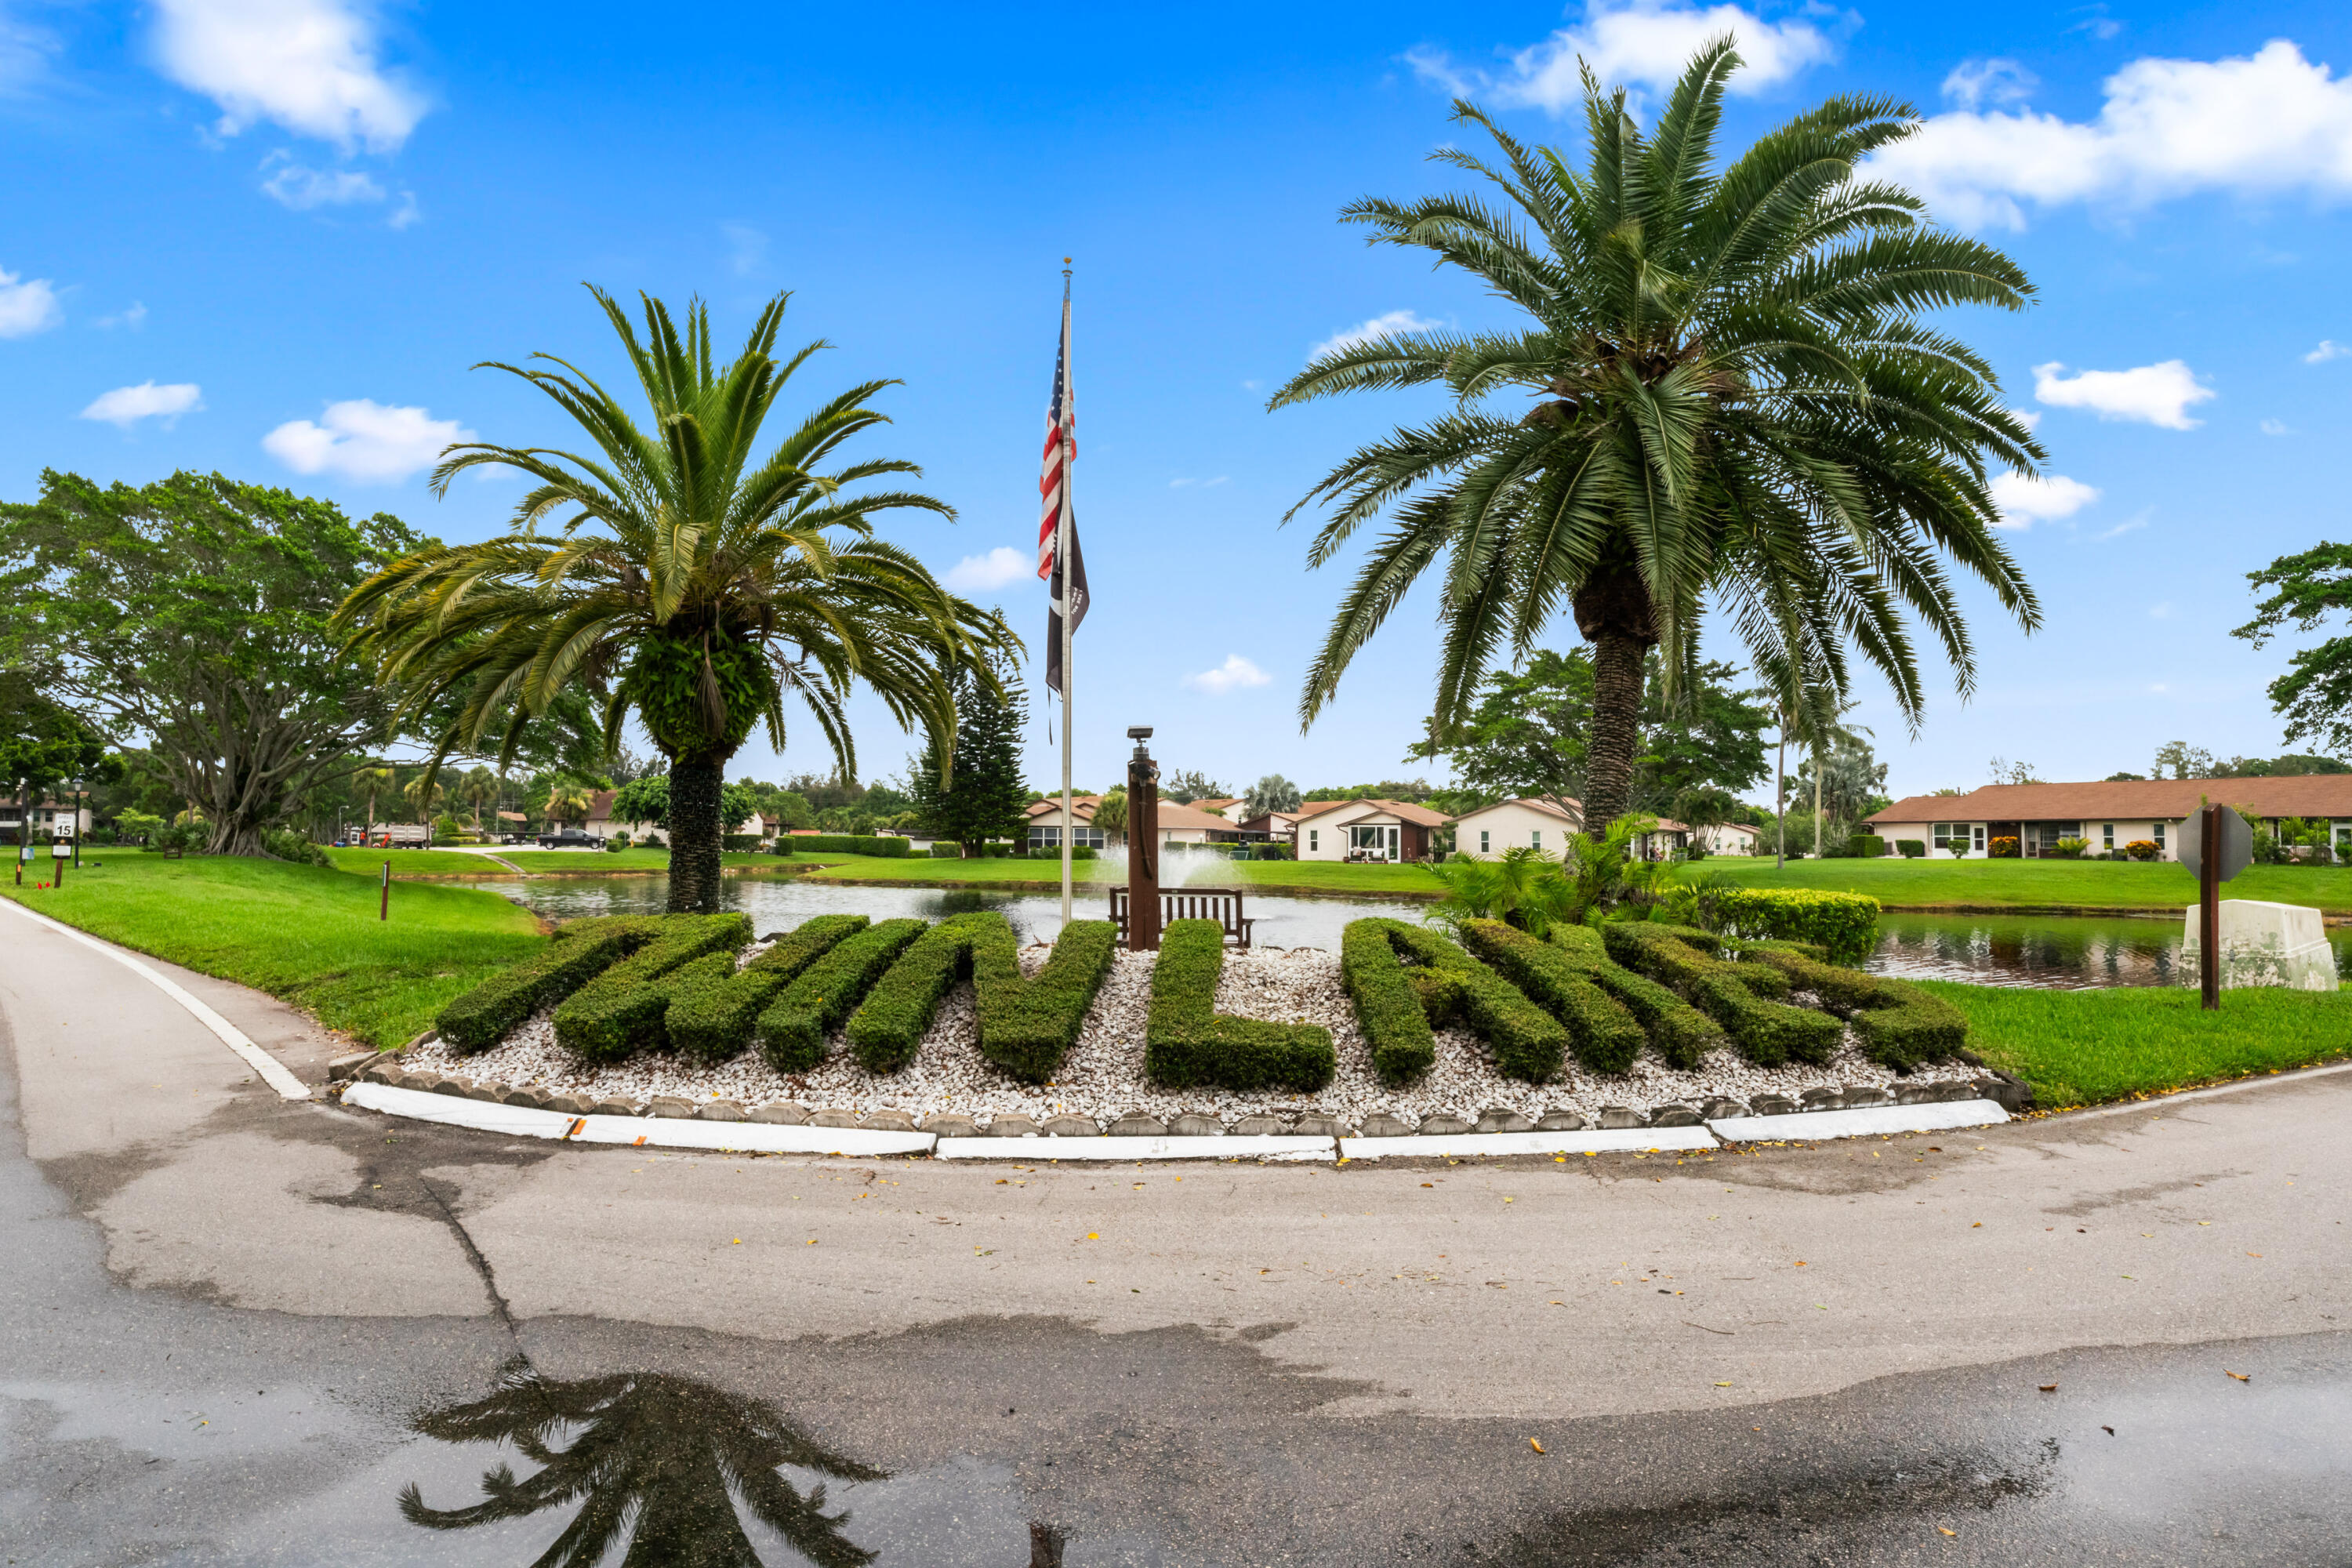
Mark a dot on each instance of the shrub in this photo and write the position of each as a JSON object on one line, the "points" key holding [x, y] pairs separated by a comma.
{"points": [[481, 1017], [890, 1024], [284, 843], [947, 851], [620, 1010], [1736, 996], [1188, 1044], [1527, 1041], [1680, 1032], [1054, 852], [1027, 1025], [1900, 1025], [791, 1032], [851, 844], [712, 1019], [614, 846], [1868, 845], [2002, 848], [739, 843], [1846, 924], [1606, 1036], [1912, 848], [2142, 850], [1388, 1008], [2071, 848]]}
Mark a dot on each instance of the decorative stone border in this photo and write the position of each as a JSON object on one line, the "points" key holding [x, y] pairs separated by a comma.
{"points": [[673, 1122]]}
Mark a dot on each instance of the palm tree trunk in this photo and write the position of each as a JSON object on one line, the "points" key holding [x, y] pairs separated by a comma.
{"points": [[1616, 727], [694, 833]]}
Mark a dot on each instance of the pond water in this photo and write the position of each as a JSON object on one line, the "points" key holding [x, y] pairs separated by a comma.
{"points": [[2053, 952], [774, 904]]}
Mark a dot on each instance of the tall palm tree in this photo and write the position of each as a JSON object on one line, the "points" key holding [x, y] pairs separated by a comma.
{"points": [[372, 782], [691, 581], [1739, 405], [477, 789], [567, 801], [654, 1460], [424, 790]]}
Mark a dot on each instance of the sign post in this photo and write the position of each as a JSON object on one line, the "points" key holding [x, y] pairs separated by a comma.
{"points": [[2215, 845], [57, 853], [384, 912]]}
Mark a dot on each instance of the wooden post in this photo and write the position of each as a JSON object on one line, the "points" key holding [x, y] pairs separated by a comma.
{"points": [[1143, 848], [2209, 904], [384, 911]]}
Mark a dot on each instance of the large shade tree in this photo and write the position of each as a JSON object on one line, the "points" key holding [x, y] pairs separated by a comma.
{"points": [[1737, 406], [696, 581]]}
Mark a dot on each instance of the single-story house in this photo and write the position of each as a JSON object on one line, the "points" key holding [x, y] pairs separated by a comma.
{"points": [[1232, 810], [1662, 842], [1728, 838], [1274, 828], [1178, 824], [600, 823], [1045, 823], [1388, 830], [50, 818], [1529, 820], [2107, 816]]}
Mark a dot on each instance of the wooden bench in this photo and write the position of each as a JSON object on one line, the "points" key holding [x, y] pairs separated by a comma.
{"points": [[1220, 905]]}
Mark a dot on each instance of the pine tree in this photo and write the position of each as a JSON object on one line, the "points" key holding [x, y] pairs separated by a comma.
{"points": [[985, 796]]}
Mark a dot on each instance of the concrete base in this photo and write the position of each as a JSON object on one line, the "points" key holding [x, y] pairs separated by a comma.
{"points": [[651, 1132], [2262, 944]]}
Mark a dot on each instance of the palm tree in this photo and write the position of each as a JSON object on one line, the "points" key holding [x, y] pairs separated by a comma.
{"points": [[372, 782], [422, 791], [653, 1459], [478, 787], [692, 581], [567, 801], [1739, 406]]}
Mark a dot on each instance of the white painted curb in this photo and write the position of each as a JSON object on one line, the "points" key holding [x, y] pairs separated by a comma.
{"points": [[1227, 1146], [651, 1132], [273, 1071], [1864, 1122], [1460, 1145]]}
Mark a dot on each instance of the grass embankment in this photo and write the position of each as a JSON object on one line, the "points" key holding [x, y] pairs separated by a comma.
{"points": [[2035, 884], [409, 863], [2079, 1048], [1301, 878], [414, 863], [303, 933]]}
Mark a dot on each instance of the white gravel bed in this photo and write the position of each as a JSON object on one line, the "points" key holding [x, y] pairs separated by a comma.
{"points": [[1103, 1077]]}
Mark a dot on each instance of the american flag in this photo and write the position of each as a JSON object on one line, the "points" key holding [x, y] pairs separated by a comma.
{"points": [[1057, 512]]}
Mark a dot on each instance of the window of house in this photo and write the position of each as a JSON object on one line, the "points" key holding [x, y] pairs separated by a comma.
{"points": [[1941, 834], [2107, 835], [1535, 837], [1315, 838], [1481, 842], [1044, 838], [2157, 832], [1092, 837], [1976, 837]]}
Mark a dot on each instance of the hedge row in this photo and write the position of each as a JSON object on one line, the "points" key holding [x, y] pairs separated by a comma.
{"points": [[791, 1032], [1606, 1036], [712, 1018], [1027, 1025], [897, 1013], [1680, 1032], [1742, 997], [1188, 1044], [1900, 1025], [843, 844], [620, 1010], [1846, 924], [1527, 1041], [481, 1017], [1388, 1008]]}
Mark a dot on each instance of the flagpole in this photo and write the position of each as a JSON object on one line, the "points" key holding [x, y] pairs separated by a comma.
{"points": [[1062, 571]]}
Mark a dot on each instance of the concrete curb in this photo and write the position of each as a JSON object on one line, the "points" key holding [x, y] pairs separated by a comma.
{"points": [[1286, 1147], [1864, 1122], [653, 1131], [1464, 1145], [273, 1072]]}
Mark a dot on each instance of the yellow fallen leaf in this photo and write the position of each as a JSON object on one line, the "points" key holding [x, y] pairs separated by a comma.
{"points": [[1538, 1447], [1941, 1531], [2254, 1255], [737, 1242], [1727, 1385], [2242, 1377], [1092, 1237], [1978, 1226], [812, 1241]]}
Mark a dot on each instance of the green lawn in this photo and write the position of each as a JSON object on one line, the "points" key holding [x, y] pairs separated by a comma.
{"points": [[2079, 1048], [2035, 884], [304, 933], [414, 863], [1308, 877]]}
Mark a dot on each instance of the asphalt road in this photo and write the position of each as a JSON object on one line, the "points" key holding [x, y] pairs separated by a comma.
{"points": [[234, 1330]]}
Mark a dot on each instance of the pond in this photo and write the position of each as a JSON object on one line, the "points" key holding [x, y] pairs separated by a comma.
{"points": [[2063, 953], [775, 904]]}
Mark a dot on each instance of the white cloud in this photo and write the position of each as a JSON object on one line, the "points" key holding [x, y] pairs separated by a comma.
{"points": [[126, 406], [2029, 417], [307, 65], [26, 306], [405, 214], [1975, 83], [365, 440], [2026, 501], [25, 52], [2161, 610], [2328, 350], [746, 247], [1633, 43], [1231, 676], [2275, 427], [2269, 122], [133, 318], [980, 574], [2130, 525], [2151, 394], [1382, 326], [302, 188], [1201, 484]]}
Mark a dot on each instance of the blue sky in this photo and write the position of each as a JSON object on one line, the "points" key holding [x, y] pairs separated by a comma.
{"points": [[270, 237]]}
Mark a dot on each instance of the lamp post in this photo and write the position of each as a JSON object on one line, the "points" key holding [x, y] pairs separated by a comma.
{"points": [[1142, 845]]}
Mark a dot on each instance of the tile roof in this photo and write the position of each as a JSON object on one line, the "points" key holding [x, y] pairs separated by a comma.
{"points": [[2309, 794], [1403, 810], [1532, 803]]}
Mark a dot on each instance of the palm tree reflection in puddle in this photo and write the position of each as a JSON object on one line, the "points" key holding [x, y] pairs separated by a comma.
{"points": [[658, 1459]]}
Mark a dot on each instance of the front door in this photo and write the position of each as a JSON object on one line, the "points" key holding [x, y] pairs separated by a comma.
{"points": [[1393, 853]]}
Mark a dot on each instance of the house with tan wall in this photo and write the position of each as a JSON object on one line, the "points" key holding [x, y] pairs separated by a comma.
{"points": [[2107, 816], [1528, 822], [1383, 830]]}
